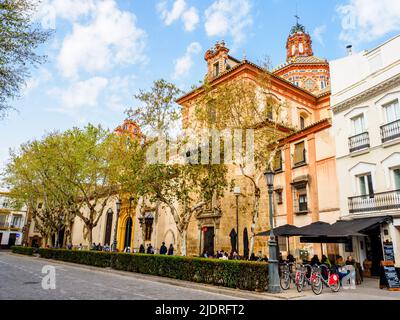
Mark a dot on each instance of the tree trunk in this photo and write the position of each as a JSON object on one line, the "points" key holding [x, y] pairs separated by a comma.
{"points": [[90, 235], [254, 220], [183, 238], [56, 242]]}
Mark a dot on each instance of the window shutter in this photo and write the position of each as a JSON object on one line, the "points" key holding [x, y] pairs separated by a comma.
{"points": [[278, 161], [298, 156]]}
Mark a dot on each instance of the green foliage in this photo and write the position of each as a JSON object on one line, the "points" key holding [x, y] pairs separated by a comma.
{"points": [[19, 38], [158, 112], [92, 258], [22, 250], [244, 275], [73, 173]]}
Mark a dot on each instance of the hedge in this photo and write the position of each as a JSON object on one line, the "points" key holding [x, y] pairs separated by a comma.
{"points": [[22, 250], [244, 275]]}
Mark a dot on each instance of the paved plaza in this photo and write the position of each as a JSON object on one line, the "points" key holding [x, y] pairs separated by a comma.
{"points": [[21, 278]]}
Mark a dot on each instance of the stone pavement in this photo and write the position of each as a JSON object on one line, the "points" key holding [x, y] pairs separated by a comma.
{"points": [[21, 279]]}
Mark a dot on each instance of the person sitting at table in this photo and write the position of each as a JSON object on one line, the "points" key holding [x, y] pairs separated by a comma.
{"points": [[350, 261], [315, 260], [325, 260]]}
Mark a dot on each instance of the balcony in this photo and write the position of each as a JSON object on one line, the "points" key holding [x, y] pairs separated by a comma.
{"points": [[4, 225], [375, 202], [390, 131], [359, 142]]}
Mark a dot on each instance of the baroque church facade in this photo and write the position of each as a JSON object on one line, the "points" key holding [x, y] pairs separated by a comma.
{"points": [[302, 83]]}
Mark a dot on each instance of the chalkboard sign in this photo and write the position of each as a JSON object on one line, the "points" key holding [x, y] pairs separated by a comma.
{"points": [[388, 252], [389, 277]]}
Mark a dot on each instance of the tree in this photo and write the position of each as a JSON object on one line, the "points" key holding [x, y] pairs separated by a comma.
{"points": [[90, 163], [246, 104], [158, 112], [183, 187], [19, 38], [33, 181], [74, 174]]}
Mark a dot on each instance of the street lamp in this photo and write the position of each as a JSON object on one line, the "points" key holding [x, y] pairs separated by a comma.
{"points": [[118, 204], [236, 192], [273, 272]]}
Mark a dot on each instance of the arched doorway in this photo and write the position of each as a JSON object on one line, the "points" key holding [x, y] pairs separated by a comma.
{"points": [[128, 232], [107, 237]]}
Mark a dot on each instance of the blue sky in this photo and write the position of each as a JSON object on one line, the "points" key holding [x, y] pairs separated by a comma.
{"points": [[103, 51]]}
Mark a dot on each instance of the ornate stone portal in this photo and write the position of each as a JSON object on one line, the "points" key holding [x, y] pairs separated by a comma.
{"points": [[208, 222]]}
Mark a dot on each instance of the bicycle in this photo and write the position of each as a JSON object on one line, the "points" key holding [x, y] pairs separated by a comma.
{"points": [[287, 275], [302, 277], [332, 280]]}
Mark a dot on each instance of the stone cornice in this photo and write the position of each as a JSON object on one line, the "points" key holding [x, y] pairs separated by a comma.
{"points": [[367, 94]]}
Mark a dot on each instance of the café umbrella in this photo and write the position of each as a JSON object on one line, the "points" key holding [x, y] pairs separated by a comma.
{"points": [[286, 230]]}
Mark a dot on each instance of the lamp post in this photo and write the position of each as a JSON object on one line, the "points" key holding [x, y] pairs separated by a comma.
{"points": [[236, 192], [273, 272], [118, 204]]}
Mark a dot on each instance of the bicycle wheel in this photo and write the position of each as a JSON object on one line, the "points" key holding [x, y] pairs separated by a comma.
{"points": [[285, 282], [335, 287], [317, 285], [299, 286]]}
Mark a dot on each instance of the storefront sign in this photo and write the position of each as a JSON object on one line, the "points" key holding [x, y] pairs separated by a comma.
{"points": [[388, 252], [389, 277]]}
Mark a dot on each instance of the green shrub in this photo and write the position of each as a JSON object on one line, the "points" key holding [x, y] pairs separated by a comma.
{"points": [[22, 250], [228, 273], [92, 258]]}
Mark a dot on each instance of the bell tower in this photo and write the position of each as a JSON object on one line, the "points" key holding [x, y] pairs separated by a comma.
{"points": [[299, 42]]}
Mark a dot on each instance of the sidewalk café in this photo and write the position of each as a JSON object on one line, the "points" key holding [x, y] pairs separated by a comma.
{"points": [[362, 239]]}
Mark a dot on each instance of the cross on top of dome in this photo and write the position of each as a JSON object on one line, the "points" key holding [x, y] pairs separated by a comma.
{"points": [[297, 27]]}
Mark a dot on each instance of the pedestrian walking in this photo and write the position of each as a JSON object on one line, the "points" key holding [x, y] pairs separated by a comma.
{"points": [[163, 248], [171, 250]]}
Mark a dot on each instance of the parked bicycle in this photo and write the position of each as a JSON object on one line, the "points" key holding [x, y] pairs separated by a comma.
{"points": [[287, 275], [325, 277], [306, 275]]}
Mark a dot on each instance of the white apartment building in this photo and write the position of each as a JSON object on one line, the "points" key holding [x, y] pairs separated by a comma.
{"points": [[12, 222], [366, 121]]}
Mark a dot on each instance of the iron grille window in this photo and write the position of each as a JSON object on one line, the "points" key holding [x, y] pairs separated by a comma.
{"points": [[300, 198]]}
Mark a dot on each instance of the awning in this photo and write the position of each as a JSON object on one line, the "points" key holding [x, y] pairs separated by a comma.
{"points": [[283, 231], [329, 233], [324, 229], [359, 226]]}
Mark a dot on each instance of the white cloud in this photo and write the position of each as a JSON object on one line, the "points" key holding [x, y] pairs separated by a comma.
{"points": [[367, 20], [179, 10], [228, 17], [80, 94], [190, 19], [65, 9], [110, 38], [318, 32], [119, 90], [39, 78], [185, 63]]}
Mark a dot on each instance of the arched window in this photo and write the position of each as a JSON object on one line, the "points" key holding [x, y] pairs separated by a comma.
{"points": [[301, 49], [303, 119], [302, 122], [293, 49], [128, 232]]}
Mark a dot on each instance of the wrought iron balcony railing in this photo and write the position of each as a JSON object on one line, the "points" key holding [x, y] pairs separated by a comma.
{"points": [[359, 142], [390, 131], [375, 202]]}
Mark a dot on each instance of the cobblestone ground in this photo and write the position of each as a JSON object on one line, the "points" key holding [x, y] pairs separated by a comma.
{"points": [[21, 278]]}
